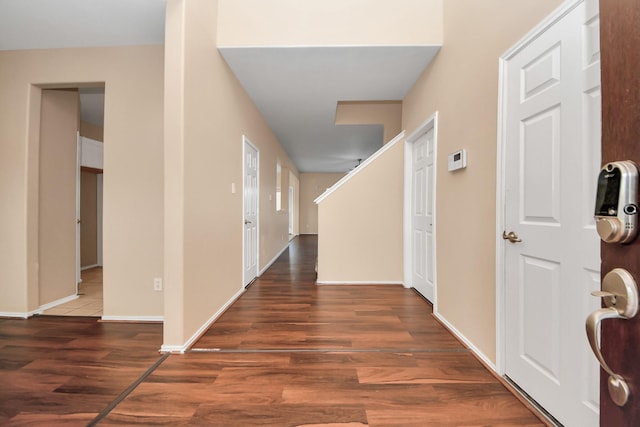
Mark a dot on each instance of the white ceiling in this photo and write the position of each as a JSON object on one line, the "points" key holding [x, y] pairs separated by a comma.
{"points": [[43, 24], [295, 88]]}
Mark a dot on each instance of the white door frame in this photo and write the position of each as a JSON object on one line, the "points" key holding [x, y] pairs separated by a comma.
{"points": [[551, 20], [245, 142], [78, 210], [426, 126]]}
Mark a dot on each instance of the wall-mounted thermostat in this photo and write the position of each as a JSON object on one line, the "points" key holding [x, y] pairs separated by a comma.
{"points": [[457, 160]]}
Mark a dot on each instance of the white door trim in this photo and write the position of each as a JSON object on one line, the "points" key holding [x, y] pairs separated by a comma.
{"points": [[78, 210], [543, 26], [426, 126], [245, 142]]}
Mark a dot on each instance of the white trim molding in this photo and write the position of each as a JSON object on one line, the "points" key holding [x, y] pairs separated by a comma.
{"points": [[475, 350], [359, 282], [55, 303], [360, 167], [19, 314], [39, 310], [184, 347], [133, 319], [88, 267]]}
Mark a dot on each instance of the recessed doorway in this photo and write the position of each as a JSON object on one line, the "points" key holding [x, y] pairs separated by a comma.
{"points": [[71, 147]]}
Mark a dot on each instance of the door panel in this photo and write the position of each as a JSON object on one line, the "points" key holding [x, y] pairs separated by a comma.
{"points": [[422, 215], [57, 226], [552, 145], [620, 41], [540, 338]]}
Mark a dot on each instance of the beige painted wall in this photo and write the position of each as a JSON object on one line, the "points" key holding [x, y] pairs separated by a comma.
{"points": [[133, 182], [313, 185], [360, 225], [329, 22], [57, 196], [89, 219], [206, 114], [386, 113], [462, 84]]}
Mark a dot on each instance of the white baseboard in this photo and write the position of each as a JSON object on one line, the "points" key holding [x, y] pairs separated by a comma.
{"points": [[56, 303], [19, 314], [184, 347], [178, 349], [270, 263], [468, 343], [358, 282], [138, 319], [39, 310], [87, 267]]}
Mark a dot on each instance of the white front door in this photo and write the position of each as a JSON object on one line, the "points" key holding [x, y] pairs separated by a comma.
{"points": [[552, 155], [250, 208], [422, 215]]}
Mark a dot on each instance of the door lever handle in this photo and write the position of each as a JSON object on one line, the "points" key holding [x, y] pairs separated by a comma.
{"points": [[246, 221], [512, 237], [620, 295], [618, 387]]}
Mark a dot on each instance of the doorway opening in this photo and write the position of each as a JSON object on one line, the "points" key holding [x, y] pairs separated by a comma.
{"points": [[294, 185], [71, 148]]}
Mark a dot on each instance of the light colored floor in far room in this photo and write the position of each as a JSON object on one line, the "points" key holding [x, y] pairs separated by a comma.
{"points": [[89, 302]]}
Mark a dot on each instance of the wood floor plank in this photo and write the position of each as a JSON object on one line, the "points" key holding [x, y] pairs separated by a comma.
{"points": [[64, 371], [286, 353]]}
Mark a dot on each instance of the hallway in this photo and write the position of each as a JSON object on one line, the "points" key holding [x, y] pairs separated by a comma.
{"points": [[287, 353]]}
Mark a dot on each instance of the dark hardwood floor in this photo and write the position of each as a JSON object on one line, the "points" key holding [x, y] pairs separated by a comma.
{"points": [[287, 353], [66, 370]]}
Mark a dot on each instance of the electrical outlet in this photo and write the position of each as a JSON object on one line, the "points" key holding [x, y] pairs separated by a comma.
{"points": [[157, 284]]}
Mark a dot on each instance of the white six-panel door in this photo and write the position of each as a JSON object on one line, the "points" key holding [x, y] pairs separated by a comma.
{"points": [[552, 157], [250, 207], [422, 215]]}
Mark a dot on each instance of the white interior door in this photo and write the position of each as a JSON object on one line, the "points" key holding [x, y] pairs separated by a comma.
{"points": [[552, 157], [250, 208], [422, 243], [291, 210]]}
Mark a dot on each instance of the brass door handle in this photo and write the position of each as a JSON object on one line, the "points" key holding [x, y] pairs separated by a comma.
{"points": [[620, 295], [512, 237]]}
